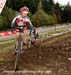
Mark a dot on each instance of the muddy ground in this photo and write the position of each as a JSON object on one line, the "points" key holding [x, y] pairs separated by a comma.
{"points": [[49, 56]]}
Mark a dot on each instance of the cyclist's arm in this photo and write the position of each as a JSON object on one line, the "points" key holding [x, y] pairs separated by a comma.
{"points": [[29, 24], [13, 23]]}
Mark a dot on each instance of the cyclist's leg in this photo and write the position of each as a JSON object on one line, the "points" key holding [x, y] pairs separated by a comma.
{"points": [[21, 42], [23, 39], [25, 36]]}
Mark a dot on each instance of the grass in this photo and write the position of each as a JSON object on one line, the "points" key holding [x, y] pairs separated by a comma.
{"points": [[6, 43], [6, 48]]}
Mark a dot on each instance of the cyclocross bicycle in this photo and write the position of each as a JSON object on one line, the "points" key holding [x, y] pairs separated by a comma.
{"points": [[19, 48]]}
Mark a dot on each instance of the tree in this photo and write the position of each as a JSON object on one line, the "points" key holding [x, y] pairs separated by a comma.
{"points": [[57, 11], [66, 14], [1, 22], [17, 4], [7, 16], [40, 18], [32, 4], [48, 6]]}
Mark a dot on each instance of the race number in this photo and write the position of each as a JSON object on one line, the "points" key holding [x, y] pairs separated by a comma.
{"points": [[2, 3]]}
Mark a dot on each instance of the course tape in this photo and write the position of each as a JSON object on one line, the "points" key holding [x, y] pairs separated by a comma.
{"points": [[7, 33]]}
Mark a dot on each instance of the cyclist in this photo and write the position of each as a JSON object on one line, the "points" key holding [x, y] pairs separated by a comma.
{"points": [[34, 35], [22, 22]]}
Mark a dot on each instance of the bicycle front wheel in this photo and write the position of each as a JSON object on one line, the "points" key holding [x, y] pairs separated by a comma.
{"points": [[18, 52], [17, 61]]}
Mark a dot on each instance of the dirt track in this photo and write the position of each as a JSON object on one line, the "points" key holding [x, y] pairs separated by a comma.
{"points": [[52, 55]]}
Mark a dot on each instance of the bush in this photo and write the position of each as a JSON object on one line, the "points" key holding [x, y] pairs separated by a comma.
{"points": [[6, 18], [40, 18], [1, 22]]}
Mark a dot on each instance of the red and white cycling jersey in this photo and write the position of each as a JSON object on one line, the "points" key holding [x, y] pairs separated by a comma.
{"points": [[20, 21]]}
